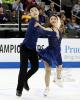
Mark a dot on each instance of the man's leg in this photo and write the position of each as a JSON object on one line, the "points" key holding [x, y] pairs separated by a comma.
{"points": [[34, 67], [34, 64], [23, 70]]}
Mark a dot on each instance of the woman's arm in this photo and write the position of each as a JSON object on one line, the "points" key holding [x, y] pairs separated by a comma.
{"points": [[42, 31], [46, 33], [38, 25]]}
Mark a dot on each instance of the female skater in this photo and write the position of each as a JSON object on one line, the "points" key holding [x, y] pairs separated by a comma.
{"points": [[53, 52]]}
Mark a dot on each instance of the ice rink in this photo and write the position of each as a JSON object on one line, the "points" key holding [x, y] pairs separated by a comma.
{"points": [[67, 89]]}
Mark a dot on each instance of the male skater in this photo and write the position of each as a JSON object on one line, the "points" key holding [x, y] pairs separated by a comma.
{"points": [[28, 51]]}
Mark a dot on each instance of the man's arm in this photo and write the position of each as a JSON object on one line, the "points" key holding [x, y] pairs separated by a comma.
{"points": [[31, 24]]}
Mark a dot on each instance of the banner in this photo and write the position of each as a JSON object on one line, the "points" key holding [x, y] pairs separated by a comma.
{"points": [[70, 49], [10, 50]]}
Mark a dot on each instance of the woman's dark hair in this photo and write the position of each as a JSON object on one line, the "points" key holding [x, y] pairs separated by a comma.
{"points": [[48, 22], [52, 14]]}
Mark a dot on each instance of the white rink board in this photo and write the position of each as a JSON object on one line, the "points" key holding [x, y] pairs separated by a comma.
{"points": [[9, 49], [70, 49]]}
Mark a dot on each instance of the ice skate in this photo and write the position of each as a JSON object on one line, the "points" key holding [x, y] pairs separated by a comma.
{"points": [[46, 92]]}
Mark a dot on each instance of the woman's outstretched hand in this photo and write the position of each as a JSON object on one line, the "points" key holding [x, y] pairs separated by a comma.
{"points": [[37, 24]]}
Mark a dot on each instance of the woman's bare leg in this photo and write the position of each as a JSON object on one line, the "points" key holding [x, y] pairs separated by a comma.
{"points": [[47, 78], [47, 74], [58, 71]]}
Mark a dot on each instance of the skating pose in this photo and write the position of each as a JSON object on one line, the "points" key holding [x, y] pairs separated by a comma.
{"points": [[53, 52], [28, 50]]}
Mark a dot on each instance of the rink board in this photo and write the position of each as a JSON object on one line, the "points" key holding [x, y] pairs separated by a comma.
{"points": [[10, 48]]}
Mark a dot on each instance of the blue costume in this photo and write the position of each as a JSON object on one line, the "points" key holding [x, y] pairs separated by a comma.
{"points": [[53, 52], [33, 33], [28, 52]]}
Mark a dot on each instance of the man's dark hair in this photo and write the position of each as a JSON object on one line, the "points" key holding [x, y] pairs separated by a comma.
{"points": [[31, 6]]}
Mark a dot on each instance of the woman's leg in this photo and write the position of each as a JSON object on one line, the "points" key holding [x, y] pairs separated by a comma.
{"points": [[47, 78], [58, 71], [59, 66], [47, 74]]}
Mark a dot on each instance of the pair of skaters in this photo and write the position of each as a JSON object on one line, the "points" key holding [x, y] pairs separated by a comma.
{"points": [[28, 50]]}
